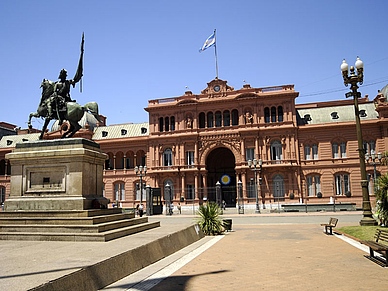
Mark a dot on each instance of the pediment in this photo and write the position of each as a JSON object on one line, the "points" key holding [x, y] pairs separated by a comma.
{"points": [[217, 86]]}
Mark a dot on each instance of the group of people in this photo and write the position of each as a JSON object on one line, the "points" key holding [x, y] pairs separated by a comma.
{"points": [[140, 210]]}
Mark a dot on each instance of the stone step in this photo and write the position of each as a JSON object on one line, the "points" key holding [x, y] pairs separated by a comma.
{"points": [[50, 228], [61, 213], [65, 220], [79, 237]]}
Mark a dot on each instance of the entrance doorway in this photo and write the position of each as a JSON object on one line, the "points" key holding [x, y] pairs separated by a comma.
{"points": [[220, 165]]}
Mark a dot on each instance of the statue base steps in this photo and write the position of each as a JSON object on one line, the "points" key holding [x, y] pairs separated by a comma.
{"points": [[88, 225]]}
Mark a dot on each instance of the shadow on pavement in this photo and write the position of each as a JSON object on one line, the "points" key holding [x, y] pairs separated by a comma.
{"points": [[176, 283]]}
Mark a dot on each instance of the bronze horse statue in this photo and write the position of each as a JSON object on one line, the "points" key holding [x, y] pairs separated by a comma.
{"points": [[71, 111]]}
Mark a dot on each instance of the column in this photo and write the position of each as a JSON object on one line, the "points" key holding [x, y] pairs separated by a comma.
{"points": [[257, 152], [204, 176], [243, 149], [125, 162], [183, 182], [244, 183], [114, 162], [196, 153], [196, 185]]}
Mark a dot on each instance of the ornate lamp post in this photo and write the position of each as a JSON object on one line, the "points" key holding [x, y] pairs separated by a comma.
{"points": [[353, 80], [256, 169], [374, 163], [141, 172]]}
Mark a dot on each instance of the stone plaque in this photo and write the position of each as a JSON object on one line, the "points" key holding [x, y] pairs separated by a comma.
{"points": [[45, 180]]}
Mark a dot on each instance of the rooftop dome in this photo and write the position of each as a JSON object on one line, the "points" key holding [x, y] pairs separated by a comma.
{"points": [[88, 118], [384, 91]]}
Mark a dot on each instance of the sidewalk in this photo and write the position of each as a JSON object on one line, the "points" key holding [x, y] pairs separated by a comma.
{"points": [[282, 257]]}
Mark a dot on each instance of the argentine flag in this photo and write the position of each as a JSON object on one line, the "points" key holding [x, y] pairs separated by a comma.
{"points": [[211, 41]]}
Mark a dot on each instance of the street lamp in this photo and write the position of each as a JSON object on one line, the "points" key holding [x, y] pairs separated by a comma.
{"points": [[256, 169], [141, 172], [353, 80], [374, 163]]}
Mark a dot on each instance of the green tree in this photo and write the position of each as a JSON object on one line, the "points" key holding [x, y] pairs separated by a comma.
{"points": [[209, 219], [382, 199]]}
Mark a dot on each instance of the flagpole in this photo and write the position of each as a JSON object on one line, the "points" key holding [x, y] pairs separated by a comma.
{"points": [[215, 52]]}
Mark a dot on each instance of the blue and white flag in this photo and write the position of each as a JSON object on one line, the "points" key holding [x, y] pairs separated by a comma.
{"points": [[211, 41]]}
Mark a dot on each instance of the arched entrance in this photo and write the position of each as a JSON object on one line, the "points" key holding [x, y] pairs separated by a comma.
{"points": [[220, 162]]}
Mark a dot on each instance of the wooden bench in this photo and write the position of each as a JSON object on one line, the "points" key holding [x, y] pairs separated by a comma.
{"points": [[332, 223], [375, 246]]}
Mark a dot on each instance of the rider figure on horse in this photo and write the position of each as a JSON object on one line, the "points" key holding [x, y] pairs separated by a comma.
{"points": [[56, 104], [61, 95]]}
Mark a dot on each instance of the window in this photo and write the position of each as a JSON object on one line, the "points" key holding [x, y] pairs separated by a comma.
{"points": [[139, 191], [307, 153], [278, 187], [334, 115], [143, 130], [339, 151], [120, 191], [108, 164], [234, 117], [313, 185], [167, 157], [273, 114], [226, 118], [167, 124], [190, 191], [161, 124], [373, 182], [103, 189], [190, 157], [202, 120], [315, 151], [276, 151], [266, 115], [369, 147], [335, 150], [143, 161], [280, 114], [210, 119], [2, 167], [249, 154], [172, 121], [342, 184], [311, 152], [343, 149], [218, 118], [251, 189], [128, 163], [363, 113], [104, 134], [123, 132]]}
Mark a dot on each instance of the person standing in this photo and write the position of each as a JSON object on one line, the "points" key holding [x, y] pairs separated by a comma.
{"points": [[141, 210], [179, 208]]}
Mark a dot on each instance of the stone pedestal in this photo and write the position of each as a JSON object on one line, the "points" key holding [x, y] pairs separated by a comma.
{"points": [[61, 174]]}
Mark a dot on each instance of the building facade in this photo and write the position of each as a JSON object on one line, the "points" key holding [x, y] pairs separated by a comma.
{"points": [[191, 142]]}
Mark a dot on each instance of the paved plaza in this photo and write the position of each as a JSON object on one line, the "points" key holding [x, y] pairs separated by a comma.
{"points": [[263, 252]]}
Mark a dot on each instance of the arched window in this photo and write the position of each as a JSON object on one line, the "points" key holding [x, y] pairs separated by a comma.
{"points": [[280, 114], [161, 124], [278, 186], [369, 147], [273, 114], [119, 191], [139, 191], [339, 151], [210, 119], [172, 121], [202, 120], [171, 184], [167, 157], [167, 124], [234, 117], [276, 151], [218, 118], [307, 152], [266, 115], [342, 183], [226, 118], [313, 185]]}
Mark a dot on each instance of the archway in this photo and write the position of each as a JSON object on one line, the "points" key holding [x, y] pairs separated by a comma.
{"points": [[221, 162]]}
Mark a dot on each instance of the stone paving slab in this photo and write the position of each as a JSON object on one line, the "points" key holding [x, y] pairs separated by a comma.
{"points": [[27, 264], [279, 257]]}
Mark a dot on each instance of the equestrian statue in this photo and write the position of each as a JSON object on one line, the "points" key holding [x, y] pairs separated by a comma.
{"points": [[56, 103]]}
